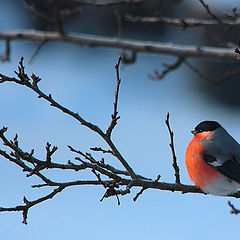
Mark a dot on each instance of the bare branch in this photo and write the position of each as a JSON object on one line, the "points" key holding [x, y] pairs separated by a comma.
{"points": [[25, 80], [74, 183], [99, 149], [115, 104], [111, 186], [143, 189], [233, 209], [182, 22], [226, 76], [101, 164], [37, 51], [151, 184], [132, 45], [213, 16], [174, 164], [29, 204], [139, 193], [18, 155], [234, 16], [40, 165], [16, 161], [196, 71], [50, 152], [168, 69]]}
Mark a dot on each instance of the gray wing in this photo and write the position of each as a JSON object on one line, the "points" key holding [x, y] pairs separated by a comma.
{"points": [[229, 168], [222, 152]]}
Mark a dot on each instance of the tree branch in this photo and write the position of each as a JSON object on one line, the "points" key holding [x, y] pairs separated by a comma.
{"points": [[174, 164], [115, 104], [167, 69], [25, 80], [213, 53], [209, 12], [226, 76], [29, 204], [182, 22], [233, 209]]}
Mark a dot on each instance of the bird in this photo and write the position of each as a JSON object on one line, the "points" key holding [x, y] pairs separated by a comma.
{"points": [[213, 159]]}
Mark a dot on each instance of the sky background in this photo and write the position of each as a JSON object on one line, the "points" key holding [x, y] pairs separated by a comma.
{"points": [[83, 80]]}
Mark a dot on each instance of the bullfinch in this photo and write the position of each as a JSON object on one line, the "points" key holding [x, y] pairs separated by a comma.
{"points": [[213, 159]]}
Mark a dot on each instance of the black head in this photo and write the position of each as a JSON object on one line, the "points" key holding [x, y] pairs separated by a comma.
{"points": [[205, 126]]}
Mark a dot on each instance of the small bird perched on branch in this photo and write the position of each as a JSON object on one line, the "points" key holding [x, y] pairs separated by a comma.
{"points": [[213, 159]]}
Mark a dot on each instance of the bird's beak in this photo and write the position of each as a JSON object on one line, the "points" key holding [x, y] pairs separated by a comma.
{"points": [[194, 132]]}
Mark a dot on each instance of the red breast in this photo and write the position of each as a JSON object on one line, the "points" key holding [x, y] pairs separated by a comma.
{"points": [[199, 172]]}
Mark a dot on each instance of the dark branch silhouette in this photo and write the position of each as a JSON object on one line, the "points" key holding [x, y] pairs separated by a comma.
{"points": [[174, 164]]}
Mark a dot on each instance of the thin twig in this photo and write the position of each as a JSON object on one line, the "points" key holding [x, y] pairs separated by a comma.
{"points": [[18, 155], [144, 188], [111, 188], [29, 204], [37, 51], [99, 178], [101, 163], [99, 149], [226, 76], [209, 11], [115, 116], [174, 164], [28, 157], [234, 16], [139, 193], [233, 209], [196, 71], [167, 69], [50, 152]]}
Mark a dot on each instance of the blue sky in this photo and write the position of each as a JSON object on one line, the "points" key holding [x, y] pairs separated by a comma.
{"points": [[84, 80]]}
